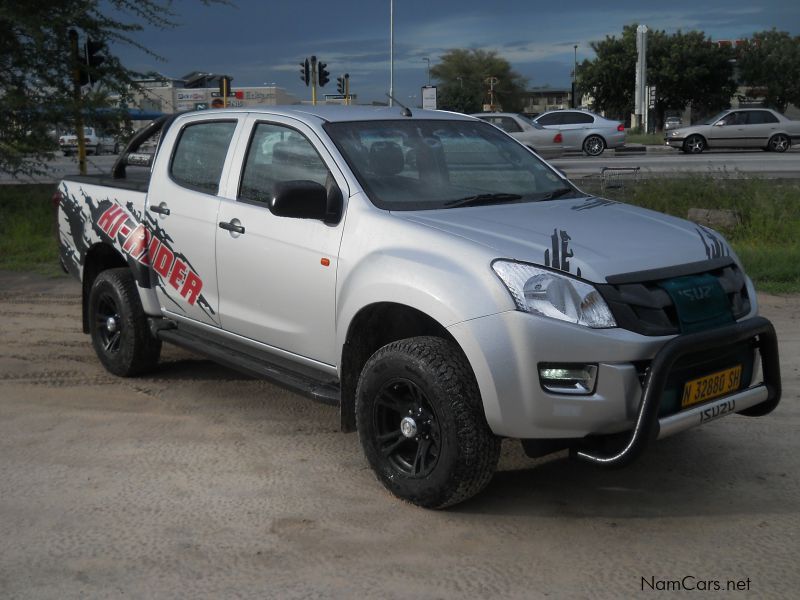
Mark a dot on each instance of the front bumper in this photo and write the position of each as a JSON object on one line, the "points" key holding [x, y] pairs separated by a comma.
{"points": [[505, 350], [674, 142]]}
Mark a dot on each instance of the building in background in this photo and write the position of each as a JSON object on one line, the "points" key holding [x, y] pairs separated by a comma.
{"points": [[200, 91]]}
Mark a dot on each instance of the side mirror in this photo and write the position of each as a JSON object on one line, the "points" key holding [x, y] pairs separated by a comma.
{"points": [[719, 124], [302, 199]]}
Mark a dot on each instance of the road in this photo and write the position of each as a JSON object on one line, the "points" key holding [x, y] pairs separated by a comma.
{"points": [[197, 482], [669, 161], [658, 161]]}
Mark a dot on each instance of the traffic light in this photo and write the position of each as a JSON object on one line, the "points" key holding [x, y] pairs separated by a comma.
{"points": [[93, 58], [323, 75], [305, 72], [225, 86], [340, 84]]}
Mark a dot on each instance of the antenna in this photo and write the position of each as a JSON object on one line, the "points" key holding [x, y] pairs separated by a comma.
{"points": [[406, 112]]}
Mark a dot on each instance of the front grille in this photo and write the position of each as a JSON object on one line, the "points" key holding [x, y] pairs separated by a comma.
{"points": [[644, 307]]}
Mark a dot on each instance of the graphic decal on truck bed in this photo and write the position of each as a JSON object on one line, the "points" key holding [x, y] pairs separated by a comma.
{"points": [[559, 259], [139, 238]]}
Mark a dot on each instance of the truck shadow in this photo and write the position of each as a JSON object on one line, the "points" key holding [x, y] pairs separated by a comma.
{"points": [[696, 473]]}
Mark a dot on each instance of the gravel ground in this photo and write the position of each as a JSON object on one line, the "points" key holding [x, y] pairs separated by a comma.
{"points": [[198, 482]]}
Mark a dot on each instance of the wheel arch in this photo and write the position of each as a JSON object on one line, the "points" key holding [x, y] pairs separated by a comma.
{"points": [[372, 327], [100, 257]]}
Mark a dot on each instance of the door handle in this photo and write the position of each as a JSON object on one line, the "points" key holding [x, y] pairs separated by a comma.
{"points": [[159, 208], [233, 226]]}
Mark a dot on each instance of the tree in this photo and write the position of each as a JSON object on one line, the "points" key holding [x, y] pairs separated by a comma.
{"points": [[770, 65], [686, 68], [461, 80], [37, 66], [610, 77]]}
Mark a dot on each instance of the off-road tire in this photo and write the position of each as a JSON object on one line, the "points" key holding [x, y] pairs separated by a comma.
{"points": [[433, 375], [125, 347]]}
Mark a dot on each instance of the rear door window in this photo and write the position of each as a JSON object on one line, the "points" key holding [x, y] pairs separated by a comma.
{"points": [[200, 155]]}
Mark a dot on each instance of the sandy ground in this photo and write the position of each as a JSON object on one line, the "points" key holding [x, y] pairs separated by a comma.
{"points": [[198, 482]]}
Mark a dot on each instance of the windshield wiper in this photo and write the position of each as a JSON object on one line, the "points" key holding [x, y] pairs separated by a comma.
{"points": [[482, 199], [555, 194]]}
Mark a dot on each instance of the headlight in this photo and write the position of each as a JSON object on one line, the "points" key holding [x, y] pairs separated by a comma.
{"points": [[553, 295]]}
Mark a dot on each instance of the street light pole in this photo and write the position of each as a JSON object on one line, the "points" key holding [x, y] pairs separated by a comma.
{"points": [[575, 76], [391, 52], [428, 60]]}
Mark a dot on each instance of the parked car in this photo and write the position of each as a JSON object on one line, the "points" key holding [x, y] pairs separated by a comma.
{"points": [[545, 142], [443, 303], [584, 130], [96, 142], [739, 128], [672, 123]]}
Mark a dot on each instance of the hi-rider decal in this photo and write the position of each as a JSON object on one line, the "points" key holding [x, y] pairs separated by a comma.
{"points": [[137, 242], [559, 259], [141, 240]]}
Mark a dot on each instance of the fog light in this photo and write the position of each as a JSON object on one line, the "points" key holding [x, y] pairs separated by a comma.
{"points": [[568, 378]]}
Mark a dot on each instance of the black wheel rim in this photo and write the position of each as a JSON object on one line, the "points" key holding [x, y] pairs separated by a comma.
{"points": [[108, 323], [414, 455]]}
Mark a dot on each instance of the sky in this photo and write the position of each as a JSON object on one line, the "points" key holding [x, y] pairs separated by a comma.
{"points": [[261, 42]]}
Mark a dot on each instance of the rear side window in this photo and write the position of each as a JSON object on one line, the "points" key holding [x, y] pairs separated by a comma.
{"points": [[200, 155], [576, 118], [551, 119], [759, 117]]}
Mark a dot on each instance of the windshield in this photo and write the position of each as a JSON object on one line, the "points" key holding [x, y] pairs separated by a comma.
{"points": [[422, 164], [715, 118]]}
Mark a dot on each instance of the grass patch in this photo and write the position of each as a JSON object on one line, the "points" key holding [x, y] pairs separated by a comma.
{"points": [[27, 229], [649, 139], [768, 238]]}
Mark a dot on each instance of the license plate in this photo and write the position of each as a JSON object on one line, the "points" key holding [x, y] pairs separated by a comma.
{"points": [[711, 386]]}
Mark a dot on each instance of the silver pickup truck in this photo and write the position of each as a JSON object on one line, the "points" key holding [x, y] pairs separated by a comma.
{"points": [[426, 273]]}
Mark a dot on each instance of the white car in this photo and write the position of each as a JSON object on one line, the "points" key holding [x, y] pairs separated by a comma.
{"points": [[545, 142], [583, 130], [745, 128], [96, 142]]}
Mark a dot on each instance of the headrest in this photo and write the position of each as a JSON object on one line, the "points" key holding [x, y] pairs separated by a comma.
{"points": [[386, 158]]}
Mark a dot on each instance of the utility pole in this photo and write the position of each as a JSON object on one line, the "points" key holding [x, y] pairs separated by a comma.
{"points": [[391, 52], [76, 98], [640, 92]]}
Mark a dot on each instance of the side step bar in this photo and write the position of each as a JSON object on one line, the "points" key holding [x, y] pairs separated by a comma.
{"points": [[322, 389]]}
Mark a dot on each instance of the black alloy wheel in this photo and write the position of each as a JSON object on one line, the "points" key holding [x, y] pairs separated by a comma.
{"points": [[118, 326], [407, 428], [421, 424]]}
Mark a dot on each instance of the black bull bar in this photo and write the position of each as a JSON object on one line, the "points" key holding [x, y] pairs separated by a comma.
{"points": [[754, 401]]}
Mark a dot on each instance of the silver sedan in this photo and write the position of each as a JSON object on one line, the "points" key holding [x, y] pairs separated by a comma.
{"points": [[545, 142], [741, 128], [584, 130]]}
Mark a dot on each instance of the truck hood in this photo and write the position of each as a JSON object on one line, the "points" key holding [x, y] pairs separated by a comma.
{"points": [[590, 237]]}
